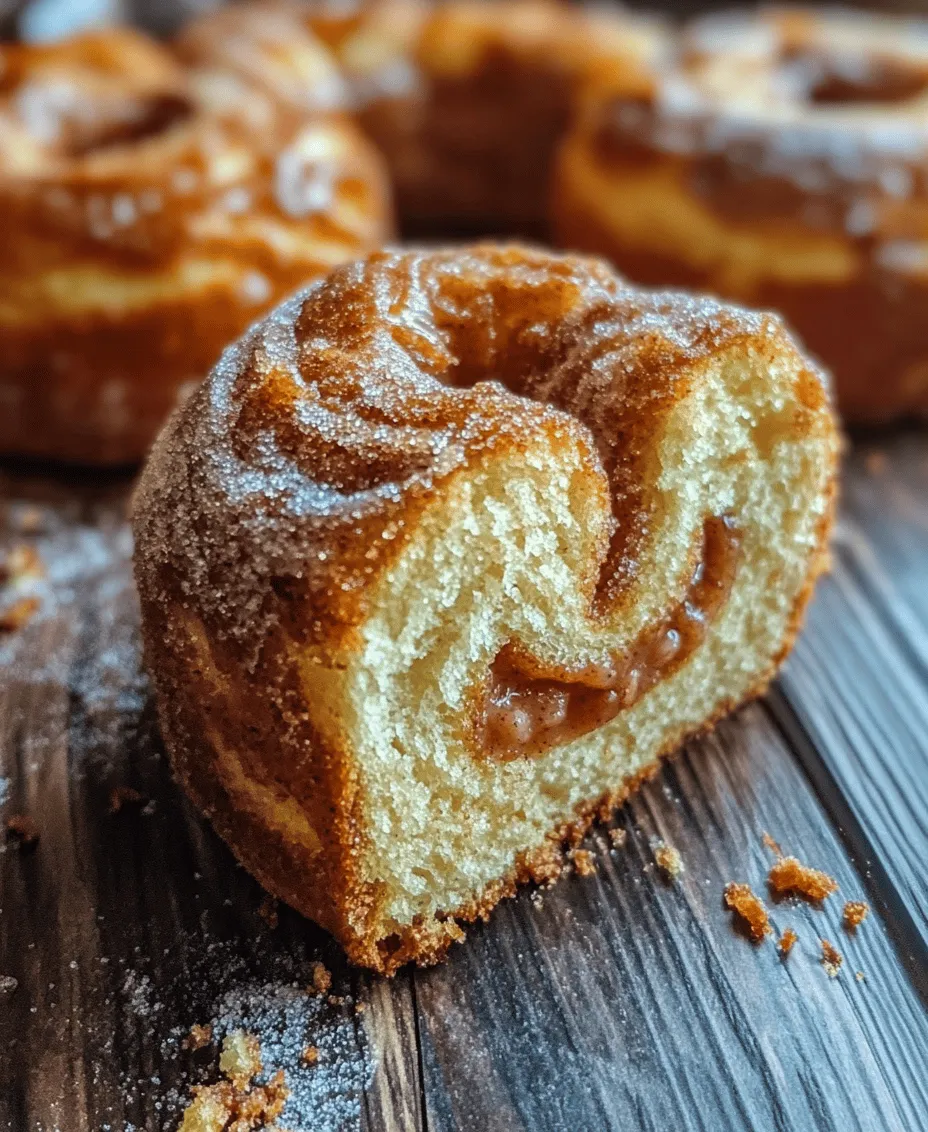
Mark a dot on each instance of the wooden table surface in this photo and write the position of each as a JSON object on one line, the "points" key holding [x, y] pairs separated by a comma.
{"points": [[615, 1001]]}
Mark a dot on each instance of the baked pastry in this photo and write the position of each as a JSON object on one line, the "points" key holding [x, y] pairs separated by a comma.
{"points": [[467, 99], [781, 162], [150, 213], [448, 551]]}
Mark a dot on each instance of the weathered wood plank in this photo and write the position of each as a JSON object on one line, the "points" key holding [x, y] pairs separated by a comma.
{"points": [[123, 929], [626, 1002], [858, 680]]}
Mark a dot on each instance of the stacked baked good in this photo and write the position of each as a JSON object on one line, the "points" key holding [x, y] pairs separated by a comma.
{"points": [[782, 160], [512, 530], [150, 212]]}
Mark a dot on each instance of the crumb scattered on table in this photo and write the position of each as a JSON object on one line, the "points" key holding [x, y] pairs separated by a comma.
{"points": [[787, 942], [310, 1055], [773, 846], [618, 837], [668, 860], [788, 875], [199, 1036], [22, 828], [224, 1107], [584, 862], [855, 912], [121, 796], [8, 984], [859, 976], [268, 912], [21, 564], [831, 959], [31, 521], [15, 616], [240, 1059], [321, 978], [749, 908]]}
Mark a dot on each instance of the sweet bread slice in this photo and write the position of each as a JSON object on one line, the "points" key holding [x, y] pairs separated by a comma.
{"points": [[448, 551]]}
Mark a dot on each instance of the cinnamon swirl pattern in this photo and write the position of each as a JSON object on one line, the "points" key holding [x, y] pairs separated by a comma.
{"points": [[448, 551]]}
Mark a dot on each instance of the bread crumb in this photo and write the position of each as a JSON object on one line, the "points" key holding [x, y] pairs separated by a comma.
{"points": [[322, 978], [360, 1007], [787, 942], [31, 521], [21, 564], [773, 846], [240, 1059], [336, 1000], [787, 875], [859, 976], [855, 912], [749, 908], [199, 1036], [310, 1055], [584, 862], [831, 959], [268, 912], [15, 616], [124, 796], [225, 1107], [8, 984], [22, 828], [618, 837], [668, 860]]}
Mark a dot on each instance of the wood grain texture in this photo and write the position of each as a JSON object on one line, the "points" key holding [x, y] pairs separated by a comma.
{"points": [[614, 1001], [858, 678]]}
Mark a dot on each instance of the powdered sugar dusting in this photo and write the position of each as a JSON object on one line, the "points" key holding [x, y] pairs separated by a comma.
{"points": [[325, 1094]]}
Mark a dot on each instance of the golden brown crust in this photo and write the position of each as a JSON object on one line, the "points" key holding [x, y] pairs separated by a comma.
{"points": [[276, 499], [795, 145], [150, 214]]}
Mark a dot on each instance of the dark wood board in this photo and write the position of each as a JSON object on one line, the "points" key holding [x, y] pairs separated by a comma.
{"points": [[612, 1001]]}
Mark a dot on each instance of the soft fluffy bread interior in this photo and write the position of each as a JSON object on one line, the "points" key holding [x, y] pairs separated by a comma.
{"points": [[498, 558]]}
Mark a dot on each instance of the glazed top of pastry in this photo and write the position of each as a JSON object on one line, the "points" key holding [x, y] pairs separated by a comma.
{"points": [[273, 46], [109, 147], [822, 113], [302, 462]]}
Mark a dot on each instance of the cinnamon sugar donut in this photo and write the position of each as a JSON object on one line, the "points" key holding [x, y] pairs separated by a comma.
{"points": [[466, 99], [149, 215], [782, 162], [448, 550]]}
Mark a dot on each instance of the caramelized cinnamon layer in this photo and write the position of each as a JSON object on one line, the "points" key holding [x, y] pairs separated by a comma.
{"points": [[525, 715]]}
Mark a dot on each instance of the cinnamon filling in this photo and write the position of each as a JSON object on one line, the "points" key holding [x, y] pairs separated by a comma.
{"points": [[525, 715]]}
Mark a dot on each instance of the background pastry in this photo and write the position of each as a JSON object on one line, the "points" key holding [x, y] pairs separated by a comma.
{"points": [[512, 529], [782, 163], [467, 100], [150, 214]]}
